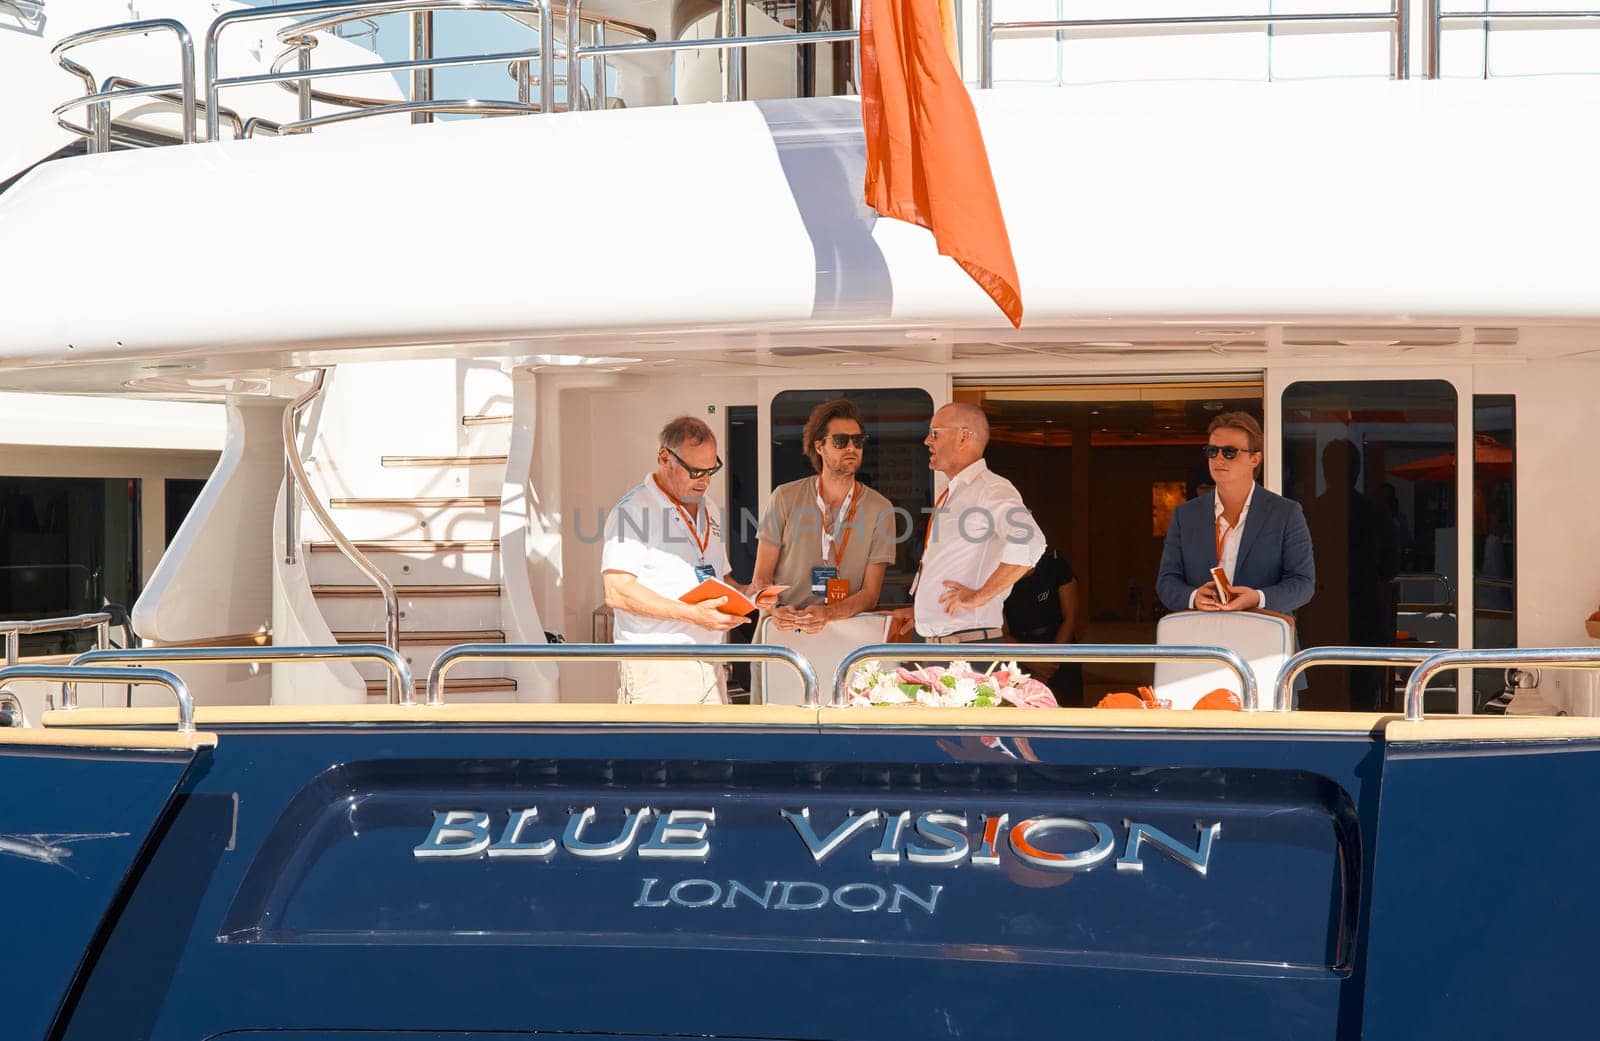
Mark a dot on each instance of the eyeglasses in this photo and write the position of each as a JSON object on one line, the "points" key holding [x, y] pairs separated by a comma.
{"points": [[841, 440], [933, 432], [1226, 451], [694, 472]]}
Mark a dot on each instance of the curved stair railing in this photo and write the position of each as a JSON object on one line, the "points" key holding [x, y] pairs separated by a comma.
{"points": [[294, 479]]}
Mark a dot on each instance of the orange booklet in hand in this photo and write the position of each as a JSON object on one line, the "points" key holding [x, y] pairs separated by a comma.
{"points": [[738, 603], [1219, 578]]}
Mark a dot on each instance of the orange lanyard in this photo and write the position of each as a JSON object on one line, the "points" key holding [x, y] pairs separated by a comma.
{"points": [[833, 536], [1222, 537], [927, 537], [699, 543]]}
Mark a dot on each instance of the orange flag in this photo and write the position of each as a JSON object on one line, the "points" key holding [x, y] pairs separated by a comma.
{"points": [[926, 163]]}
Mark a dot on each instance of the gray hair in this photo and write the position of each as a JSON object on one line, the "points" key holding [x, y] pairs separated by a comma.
{"points": [[685, 430]]}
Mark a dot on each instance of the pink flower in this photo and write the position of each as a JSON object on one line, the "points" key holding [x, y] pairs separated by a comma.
{"points": [[925, 677], [1029, 693]]}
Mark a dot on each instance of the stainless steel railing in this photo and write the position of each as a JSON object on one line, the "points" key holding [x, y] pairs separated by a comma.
{"points": [[13, 632], [614, 652], [71, 675], [98, 101], [295, 481], [1077, 652], [399, 668], [328, 15], [1396, 20], [1283, 688], [1437, 19], [1530, 657], [29, 12], [12, 712]]}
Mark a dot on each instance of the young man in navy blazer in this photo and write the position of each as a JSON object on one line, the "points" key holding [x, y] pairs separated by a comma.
{"points": [[1259, 539]]}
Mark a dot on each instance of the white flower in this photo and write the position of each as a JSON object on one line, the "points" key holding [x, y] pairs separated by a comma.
{"points": [[965, 693], [960, 667], [887, 692]]}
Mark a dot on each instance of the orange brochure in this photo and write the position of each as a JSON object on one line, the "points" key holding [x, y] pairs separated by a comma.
{"points": [[737, 604], [1219, 578]]}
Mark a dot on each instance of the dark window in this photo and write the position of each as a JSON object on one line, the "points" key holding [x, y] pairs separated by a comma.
{"points": [[741, 445], [1494, 532], [1374, 466], [180, 499], [67, 545], [895, 462]]}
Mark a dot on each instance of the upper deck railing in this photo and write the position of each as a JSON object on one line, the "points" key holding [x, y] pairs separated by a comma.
{"points": [[570, 67]]}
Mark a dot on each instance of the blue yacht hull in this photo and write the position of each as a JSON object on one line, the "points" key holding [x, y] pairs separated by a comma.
{"points": [[851, 884]]}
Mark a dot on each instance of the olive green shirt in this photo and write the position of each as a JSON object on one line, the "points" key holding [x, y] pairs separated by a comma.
{"points": [[793, 523]]}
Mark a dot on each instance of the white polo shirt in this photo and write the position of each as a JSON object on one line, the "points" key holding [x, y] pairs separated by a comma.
{"points": [[646, 536], [979, 524]]}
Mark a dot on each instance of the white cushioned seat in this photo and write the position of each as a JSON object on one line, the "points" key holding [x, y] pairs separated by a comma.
{"points": [[825, 650], [1264, 641]]}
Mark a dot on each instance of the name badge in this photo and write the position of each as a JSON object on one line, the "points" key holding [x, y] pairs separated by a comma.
{"points": [[820, 577], [703, 572], [838, 589]]}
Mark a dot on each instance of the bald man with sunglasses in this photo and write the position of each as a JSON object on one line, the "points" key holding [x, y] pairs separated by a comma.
{"points": [[662, 539]]}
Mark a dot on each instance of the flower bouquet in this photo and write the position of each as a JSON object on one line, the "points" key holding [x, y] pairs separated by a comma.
{"points": [[957, 685]]}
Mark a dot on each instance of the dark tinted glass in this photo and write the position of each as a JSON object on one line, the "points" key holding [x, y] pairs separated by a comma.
{"points": [[1374, 466], [66, 546], [1494, 534]]}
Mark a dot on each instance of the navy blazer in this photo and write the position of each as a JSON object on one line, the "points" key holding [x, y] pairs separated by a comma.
{"points": [[1274, 552]]}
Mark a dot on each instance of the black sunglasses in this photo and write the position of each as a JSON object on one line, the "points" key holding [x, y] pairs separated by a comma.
{"points": [[695, 473], [840, 440], [1226, 451]]}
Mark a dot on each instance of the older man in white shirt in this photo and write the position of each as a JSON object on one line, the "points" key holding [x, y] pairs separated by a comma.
{"points": [[980, 539]]}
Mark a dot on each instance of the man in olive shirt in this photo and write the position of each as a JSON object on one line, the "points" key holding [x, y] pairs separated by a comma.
{"points": [[829, 538]]}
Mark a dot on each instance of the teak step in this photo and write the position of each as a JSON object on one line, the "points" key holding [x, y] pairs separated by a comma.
{"points": [[444, 636], [466, 501], [415, 546], [484, 418], [444, 460], [466, 685], [406, 592]]}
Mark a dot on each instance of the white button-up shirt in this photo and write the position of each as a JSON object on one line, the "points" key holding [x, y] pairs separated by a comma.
{"points": [[980, 524], [1231, 537], [646, 537]]}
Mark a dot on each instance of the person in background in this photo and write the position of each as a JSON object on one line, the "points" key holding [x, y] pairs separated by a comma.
{"points": [[1259, 539], [828, 538], [661, 540], [980, 539], [1043, 608]]}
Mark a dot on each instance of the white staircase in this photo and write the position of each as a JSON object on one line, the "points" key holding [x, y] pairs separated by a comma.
{"points": [[413, 475]]}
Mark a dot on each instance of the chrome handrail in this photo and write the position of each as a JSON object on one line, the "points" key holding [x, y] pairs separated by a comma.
{"points": [[1283, 688], [1398, 18], [75, 674], [12, 713], [334, 11], [100, 118], [1535, 657], [732, 70], [13, 632], [399, 668], [1076, 652], [1435, 19], [617, 652], [464, 106], [294, 476]]}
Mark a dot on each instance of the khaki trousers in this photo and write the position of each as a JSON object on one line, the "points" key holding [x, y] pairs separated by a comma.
{"points": [[671, 683]]}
